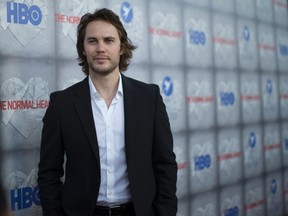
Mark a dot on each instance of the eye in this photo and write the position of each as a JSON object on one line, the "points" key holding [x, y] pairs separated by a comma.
{"points": [[109, 40], [91, 41]]}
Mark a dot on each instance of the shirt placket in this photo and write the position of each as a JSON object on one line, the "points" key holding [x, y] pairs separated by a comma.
{"points": [[110, 151]]}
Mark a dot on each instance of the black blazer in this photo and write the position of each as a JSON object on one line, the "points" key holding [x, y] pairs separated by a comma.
{"points": [[69, 130]]}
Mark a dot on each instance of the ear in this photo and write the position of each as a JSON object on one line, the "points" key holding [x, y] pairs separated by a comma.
{"points": [[121, 49], [84, 53]]}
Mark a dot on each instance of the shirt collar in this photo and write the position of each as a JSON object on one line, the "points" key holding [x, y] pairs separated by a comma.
{"points": [[93, 91]]}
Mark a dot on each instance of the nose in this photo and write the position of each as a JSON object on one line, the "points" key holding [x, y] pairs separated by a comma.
{"points": [[101, 47]]}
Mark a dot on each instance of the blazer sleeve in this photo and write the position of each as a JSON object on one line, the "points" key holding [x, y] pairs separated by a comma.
{"points": [[50, 167], [164, 162]]}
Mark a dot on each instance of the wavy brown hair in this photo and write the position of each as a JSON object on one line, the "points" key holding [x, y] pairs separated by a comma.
{"points": [[108, 16]]}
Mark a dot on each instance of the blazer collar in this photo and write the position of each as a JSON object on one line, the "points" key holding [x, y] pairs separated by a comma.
{"points": [[132, 111], [82, 103]]}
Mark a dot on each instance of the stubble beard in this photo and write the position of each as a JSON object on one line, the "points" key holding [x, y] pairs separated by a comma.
{"points": [[105, 71]]}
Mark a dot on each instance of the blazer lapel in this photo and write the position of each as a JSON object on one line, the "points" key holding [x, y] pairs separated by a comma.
{"points": [[82, 102], [131, 113]]}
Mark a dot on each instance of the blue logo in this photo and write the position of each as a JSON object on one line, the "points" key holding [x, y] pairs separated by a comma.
{"points": [[167, 86], [246, 33], [232, 211], [252, 140], [269, 86], [22, 14], [283, 49], [274, 186], [23, 198], [197, 37], [227, 98], [126, 12], [286, 143], [202, 162]]}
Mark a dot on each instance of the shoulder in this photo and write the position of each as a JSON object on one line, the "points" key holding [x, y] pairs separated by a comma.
{"points": [[76, 88], [139, 85]]}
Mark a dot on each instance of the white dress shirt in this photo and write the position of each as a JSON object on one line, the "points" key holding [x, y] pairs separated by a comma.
{"points": [[109, 123]]}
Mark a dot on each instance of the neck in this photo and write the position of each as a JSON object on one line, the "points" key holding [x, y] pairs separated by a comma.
{"points": [[106, 86]]}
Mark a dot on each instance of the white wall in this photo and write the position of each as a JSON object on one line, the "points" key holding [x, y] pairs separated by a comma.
{"points": [[226, 62]]}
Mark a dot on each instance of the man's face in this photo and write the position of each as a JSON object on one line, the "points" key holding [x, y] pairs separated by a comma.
{"points": [[102, 48]]}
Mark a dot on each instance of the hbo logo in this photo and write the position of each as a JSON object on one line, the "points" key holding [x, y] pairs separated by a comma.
{"points": [[197, 37], [23, 198], [22, 14], [227, 98], [232, 211], [202, 162], [283, 50]]}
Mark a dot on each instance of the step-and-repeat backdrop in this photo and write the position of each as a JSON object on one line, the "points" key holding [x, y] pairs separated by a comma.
{"points": [[222, 66]]}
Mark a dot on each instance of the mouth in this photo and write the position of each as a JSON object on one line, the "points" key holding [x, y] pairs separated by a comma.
{"points": [[100, 58]]}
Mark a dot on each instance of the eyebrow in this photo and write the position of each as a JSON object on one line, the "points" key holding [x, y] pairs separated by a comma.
{"points": [[95, 38]]}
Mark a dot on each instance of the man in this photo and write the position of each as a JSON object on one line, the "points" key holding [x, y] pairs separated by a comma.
{"points": [[3, 203], [113, 131], [4, 210]]}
